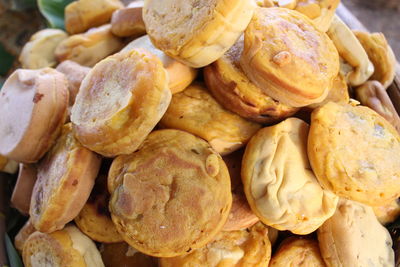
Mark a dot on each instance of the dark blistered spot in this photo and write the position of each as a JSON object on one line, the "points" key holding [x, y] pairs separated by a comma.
{"points": [[190, 249], [195, 151], [181, 117], [103, 210], [37, 97], [75, 182]]}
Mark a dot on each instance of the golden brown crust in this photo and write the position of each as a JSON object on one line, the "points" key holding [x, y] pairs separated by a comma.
{"points": [[339, 93], [295, 251], [89, 47], [387, 213], [279, 183], [123, 255], [65, 179], [171, 196], [120, 101], [23, 235], [94, 220], [231, 87], [33, 107], [246, 248], [194, 110], [366, 171], [21, 196], [354, 237], [296, 69], [381, 55], [128, 21], [82, 15], [196, 32]]}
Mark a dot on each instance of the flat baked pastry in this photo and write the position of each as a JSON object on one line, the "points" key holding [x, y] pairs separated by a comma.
{"points": [[279, 183], [171, 196], [33, 108], [195, 111], [180, 75], [288, 58], [245, 248], [128, 22], [297, 252], [339, 93], [23, 235], [120, 101], [65, 179], [355, 153], [233, 90], [354, 237], [94, 220], [123, 255], [381, 55], [64, 248], [196, 32], [89, 47]]}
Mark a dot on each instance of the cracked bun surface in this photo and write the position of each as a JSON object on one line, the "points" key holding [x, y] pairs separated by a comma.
{"points": [[288, 58], [354, 152], [64, 181], [279, 183], [195, 111], [245, 248], [171, 196], [233, 90], [196, 32], [120, 101], [33, 107]]}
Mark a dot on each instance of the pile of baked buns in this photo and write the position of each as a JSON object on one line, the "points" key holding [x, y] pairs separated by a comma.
{"points": [[203, 133]]}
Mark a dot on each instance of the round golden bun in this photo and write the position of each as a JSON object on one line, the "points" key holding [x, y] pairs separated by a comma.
{"points": [[250, 248], [297, 252], [354, 237], [180, 75], [279, 183], [82, 15], [64, 181], [128, 22], [171, 196], [288, 58], [120, 101], [354, 152], [195, 111], [123, 255], [196, 32], [64, 248], [33, 108], [89, 47], [233, 90], [39, 51]]}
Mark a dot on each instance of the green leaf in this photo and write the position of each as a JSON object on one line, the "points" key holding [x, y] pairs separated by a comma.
{"points": [[6, 60], [53, 11], [13, 257]]}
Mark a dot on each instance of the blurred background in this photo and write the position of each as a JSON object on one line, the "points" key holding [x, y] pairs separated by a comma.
{"points": [[19, 19]]}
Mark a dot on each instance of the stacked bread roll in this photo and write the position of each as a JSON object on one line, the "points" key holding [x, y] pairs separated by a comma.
{"points": [[203, 133]]}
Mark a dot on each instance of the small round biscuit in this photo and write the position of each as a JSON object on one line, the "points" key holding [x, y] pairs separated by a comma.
{"points": [[82, 15], [240, 216], [299, 252], [128, 22], [355, 153], [120, 101], [381, 55], [90, 47], [64, 181], [196, 32], [94, 220], [388, 213], [232, 89], [171, 196], [245, 248], [180, 75], [279, 183], [21, 196], [354, 237], [339, 93], [195, 111], [64, 248], [288, 58], [23, 235], [39, 51], [75, 74], [33, 108], [123, 255]]}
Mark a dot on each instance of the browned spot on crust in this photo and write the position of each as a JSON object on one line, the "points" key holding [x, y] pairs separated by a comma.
{"points": [[37, 97]]}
